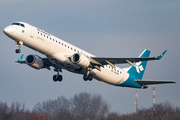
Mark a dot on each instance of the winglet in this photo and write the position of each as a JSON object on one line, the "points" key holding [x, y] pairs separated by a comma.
{"points": [[160, 56], [20, 60]]}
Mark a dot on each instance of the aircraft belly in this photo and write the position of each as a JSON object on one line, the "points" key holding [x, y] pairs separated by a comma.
{"points": [[107, 76], [60, 57]]}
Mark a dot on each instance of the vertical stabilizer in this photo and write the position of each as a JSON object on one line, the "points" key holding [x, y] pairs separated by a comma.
{"points": [[138, 70]]}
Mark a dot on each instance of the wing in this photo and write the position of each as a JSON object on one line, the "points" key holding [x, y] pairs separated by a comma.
{"points": [[112, 61], [153, 82]]}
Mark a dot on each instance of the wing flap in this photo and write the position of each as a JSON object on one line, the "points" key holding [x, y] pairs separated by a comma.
{"points": [[153, 82]]}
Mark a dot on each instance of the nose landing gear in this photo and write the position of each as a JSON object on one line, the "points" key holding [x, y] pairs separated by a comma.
{"points": [[18, 50], [19, 43], [57, 78]]}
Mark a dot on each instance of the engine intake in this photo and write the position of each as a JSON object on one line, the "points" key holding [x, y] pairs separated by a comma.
{"points": [[34, 61], [80, 60]]}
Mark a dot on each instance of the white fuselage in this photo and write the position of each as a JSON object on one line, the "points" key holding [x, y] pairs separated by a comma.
{"points": [[56, 48]]}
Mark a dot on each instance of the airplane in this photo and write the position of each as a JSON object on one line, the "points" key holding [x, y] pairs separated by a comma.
{"points": [[62, 55]]}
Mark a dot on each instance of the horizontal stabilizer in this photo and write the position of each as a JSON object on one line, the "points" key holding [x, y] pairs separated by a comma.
{"points": [[153, 82]]}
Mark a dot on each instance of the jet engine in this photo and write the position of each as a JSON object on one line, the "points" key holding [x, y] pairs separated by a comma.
{"points": [[80, 60], [34, 61]]}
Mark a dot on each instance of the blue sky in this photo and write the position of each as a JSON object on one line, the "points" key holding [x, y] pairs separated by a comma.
{"points": [[105, 28]]}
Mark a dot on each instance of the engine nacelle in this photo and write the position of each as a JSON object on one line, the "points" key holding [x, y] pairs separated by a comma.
{"points": [[34, 61], [80, 60]]}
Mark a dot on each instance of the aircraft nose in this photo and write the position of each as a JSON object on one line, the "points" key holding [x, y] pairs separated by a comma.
{"points": [[7, 30]]}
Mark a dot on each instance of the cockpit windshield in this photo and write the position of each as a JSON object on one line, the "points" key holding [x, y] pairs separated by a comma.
{"points": [[18, 24]]}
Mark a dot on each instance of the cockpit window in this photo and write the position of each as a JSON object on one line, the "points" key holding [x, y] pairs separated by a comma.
{"points": [[18, 24], [22, 25]]}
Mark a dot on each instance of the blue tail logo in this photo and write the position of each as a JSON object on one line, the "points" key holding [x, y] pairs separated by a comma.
{"points": [[139, 67], [138, 70]]}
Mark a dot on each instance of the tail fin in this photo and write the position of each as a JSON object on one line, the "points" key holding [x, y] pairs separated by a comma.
{"points": [[138, 70]]}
